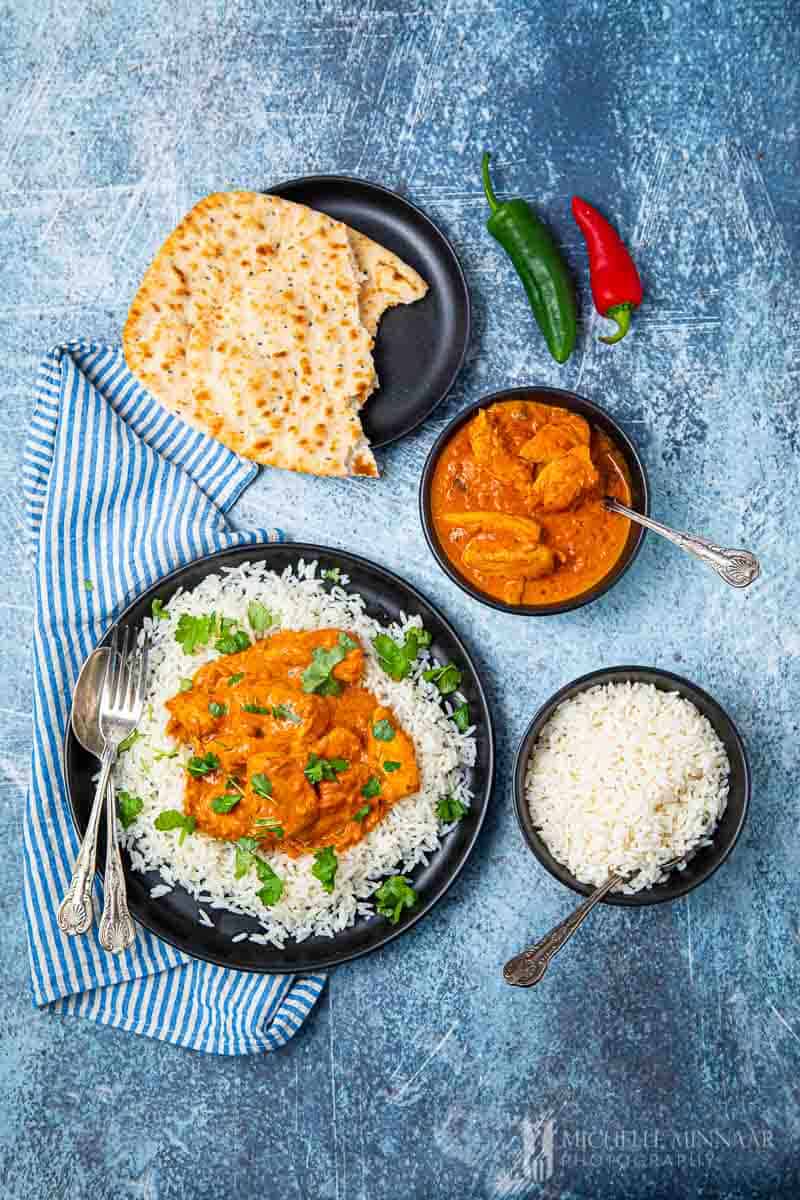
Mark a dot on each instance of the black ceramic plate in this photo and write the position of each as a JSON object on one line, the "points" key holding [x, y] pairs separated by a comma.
{"points": [[707, 859], [596, 416], [420, 347], [174, 917]]}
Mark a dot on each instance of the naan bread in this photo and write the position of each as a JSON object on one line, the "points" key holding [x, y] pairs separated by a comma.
{"points": [[249, 325]]}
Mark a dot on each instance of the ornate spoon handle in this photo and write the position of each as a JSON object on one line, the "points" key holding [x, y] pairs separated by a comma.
{"points": [[739, 568], [527, 968], [117, 929], [75, 913]]}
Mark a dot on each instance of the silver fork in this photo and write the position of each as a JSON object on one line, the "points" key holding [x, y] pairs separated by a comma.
{"points": [[121, 707]]}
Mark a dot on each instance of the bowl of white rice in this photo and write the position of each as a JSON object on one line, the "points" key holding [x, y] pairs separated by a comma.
{"points": [[624, 770]]}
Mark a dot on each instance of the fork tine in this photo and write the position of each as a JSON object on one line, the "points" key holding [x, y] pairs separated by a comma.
{"points": [[124, 670], [141, 677], [109, 679]]}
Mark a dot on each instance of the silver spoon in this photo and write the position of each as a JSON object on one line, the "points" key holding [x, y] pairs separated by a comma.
{"points": [[739, 568], [117, 929], [527, 968]]}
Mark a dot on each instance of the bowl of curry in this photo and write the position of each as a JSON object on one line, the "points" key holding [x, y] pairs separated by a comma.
{"points": [[511, 500]]}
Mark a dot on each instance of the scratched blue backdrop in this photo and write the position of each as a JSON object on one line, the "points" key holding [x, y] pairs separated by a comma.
{"points": [[665, 1046]]}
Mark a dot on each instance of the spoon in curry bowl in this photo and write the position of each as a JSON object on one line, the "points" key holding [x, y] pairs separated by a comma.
{"points": [[739, 568]]}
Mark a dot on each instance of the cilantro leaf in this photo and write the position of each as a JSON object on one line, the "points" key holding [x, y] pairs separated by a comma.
{"points": [[449, 809], [318, 676], [272, 889], [232, 643], [460, 717], [447, 678], [332, 574], [192, 632], [234, 679], [245, 856], [362, 813], [127, 742], [282, 712], [261, 786], [325, 866], [200, 766], [171, 818], [128, 808], [393, 896], [383, 731], [397, 658], [317, 769], [158, 609], [185, 685], [391, 766], [260, 618], [268, 827], [255, 708], [372, 787], [217, 710], [87, 583], [226, 802], [158, 754]]}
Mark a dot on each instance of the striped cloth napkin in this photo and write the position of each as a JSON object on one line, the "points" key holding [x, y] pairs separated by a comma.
{"points": [[118, 493]]}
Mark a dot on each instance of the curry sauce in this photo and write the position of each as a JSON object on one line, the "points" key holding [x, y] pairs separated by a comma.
{"points": [[298, 768], [516, 502]]}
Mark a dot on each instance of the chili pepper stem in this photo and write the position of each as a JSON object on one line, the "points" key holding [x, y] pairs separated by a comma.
{"points": [[621, 313], [494, 204]]}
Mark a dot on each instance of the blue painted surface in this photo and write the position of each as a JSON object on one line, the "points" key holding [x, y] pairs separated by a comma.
{"points": [[666, 1043]]}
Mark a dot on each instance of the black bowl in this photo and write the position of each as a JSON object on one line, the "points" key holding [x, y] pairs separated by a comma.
{"points": [[708, 858], [640, 495]]}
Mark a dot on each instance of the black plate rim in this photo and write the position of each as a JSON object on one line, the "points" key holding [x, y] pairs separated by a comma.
{"points": [[438, 234], [705, 703], [308, 550], [426, 480]]}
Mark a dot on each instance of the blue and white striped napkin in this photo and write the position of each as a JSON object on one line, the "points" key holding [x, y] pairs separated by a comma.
{"points": [[118, 493]]}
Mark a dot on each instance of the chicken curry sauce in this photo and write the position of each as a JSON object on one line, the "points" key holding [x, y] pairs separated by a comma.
{"points": [[516, 502], [288, 747]]}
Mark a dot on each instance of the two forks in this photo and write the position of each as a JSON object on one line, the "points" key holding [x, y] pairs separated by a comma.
{"points": [[120, 710]]}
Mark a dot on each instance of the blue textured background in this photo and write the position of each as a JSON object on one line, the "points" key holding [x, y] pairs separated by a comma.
{"points": [[421, 1075]]}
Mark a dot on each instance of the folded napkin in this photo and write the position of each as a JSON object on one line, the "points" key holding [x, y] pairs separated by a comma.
{"points": [[118, 493]]}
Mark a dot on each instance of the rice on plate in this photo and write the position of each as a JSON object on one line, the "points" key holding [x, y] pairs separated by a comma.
{"points": [[153, 768], [623, 778]]}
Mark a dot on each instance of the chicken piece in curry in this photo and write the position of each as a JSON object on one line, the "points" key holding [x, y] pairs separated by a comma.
{"points": [[516, 502], [289, 747]]}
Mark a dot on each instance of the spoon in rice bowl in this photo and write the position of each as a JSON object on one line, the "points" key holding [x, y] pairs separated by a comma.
{"points": [[528, 967]]}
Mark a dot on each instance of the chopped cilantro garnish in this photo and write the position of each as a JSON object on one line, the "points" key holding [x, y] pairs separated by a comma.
{"points": [[234, 679], [87, 583], [449, 809], [158, 754], [245, 856], [170, 818], [260, 618], [393, 896], [226, 802], [202, 764], [217, 710], [261, 785], [318, 676], [128, 808], [397, 658], [282, 712], [372, 787], [232, 643], [255, 708], [192, 632], [383, 731], [446, 678], [158, 609], [127, 742], [272, 889], [317, 769], [268, 827], [391, 766], [185, 685], [332, 574], [362, 813], [460, 717], [325, 866]]}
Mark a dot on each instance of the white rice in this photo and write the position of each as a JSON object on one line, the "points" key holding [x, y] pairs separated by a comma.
{"points": [[408, 834], [623, 778]]}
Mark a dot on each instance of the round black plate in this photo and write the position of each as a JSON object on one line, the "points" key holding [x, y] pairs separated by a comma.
{"points": [[420, 347], [174, 917], [707, 859]]}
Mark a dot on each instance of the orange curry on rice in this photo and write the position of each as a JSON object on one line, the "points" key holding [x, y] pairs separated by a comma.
{"points": [[516, 502], [273, 760]]}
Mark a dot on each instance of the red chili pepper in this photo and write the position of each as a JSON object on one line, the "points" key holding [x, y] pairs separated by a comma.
{"points": [[616, 286]]}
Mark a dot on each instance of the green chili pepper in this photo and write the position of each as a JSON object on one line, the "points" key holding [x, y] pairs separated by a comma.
{"points": [[539, 264]]}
